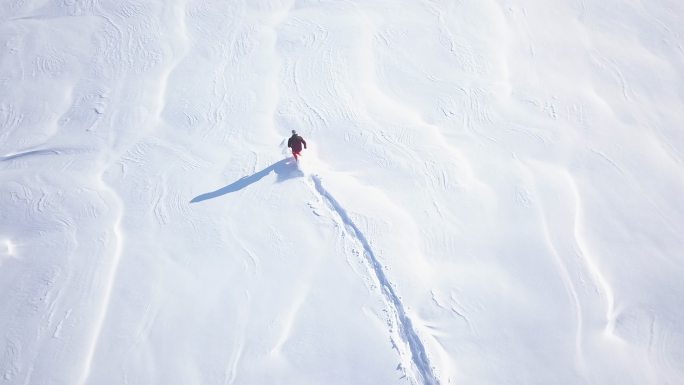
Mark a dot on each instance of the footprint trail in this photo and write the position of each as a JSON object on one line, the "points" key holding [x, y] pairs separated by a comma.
{"points": [[410, 343]]}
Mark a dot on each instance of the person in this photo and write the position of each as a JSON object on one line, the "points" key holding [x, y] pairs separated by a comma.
{"points": [[295, 143]]}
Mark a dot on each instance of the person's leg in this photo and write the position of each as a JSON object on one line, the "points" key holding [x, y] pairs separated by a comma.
{"points": [[296, 155]]}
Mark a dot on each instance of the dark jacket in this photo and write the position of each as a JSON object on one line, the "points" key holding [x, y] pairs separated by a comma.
{"points": [[295, 143]]}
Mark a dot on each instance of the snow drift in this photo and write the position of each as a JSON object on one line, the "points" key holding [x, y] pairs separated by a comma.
{"points": [[492, 192]]}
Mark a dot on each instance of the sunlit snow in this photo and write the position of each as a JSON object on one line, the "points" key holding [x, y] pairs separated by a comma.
{"points": [[492, 192]]}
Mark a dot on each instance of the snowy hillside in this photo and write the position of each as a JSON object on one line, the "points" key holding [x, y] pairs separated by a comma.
{"points": [[492, 192]]}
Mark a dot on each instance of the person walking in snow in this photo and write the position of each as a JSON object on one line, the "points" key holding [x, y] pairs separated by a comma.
{"points": [[295, 143]]}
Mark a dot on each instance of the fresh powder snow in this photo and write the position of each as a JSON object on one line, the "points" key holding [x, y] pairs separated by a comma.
{"points": [[493, 192]]}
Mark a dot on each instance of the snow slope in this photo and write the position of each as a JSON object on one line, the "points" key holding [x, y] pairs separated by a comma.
{"points": [[492, 192]]}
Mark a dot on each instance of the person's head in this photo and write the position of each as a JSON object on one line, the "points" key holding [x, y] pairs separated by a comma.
{"points": [[294, 132]]}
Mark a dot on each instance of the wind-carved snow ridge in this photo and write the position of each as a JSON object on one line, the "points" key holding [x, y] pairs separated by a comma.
{"points": [[409, 336], [110, 275]]}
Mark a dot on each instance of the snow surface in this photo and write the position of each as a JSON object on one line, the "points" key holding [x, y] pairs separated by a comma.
{"points": [[492, 192]]}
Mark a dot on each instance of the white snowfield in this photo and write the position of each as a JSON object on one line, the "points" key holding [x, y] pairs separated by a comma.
{"points": [[493, 192]]}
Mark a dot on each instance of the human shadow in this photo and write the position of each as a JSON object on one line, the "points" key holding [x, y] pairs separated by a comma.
{"points": [[284, 169]]}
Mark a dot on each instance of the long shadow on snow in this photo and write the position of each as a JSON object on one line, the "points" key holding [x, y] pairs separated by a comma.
{"points": [[284, 169]]}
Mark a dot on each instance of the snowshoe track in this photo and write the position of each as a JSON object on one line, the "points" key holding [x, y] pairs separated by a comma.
{"points": [[410, 343]]}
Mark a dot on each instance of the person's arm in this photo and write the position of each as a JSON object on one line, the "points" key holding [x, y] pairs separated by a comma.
{"points": [[304, 142]]}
